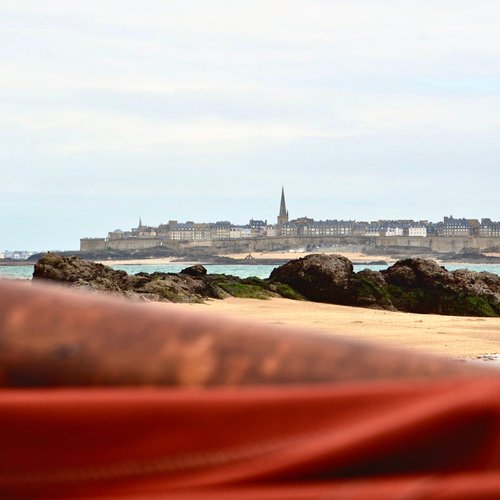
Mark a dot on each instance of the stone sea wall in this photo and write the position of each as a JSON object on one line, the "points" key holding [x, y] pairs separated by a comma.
{"points": [[394, 244], [440, 244]]}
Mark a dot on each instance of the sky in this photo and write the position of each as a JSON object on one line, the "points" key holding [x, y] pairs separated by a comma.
{"points": [[202, 110]]}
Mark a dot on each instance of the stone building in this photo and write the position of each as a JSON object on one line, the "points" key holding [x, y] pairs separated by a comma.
{"points": [[489, 228], [328, 228], [220, 230], [455, 227], [205, 233], [417, 230]]}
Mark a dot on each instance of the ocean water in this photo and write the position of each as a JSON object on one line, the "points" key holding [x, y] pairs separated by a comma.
{"points": [[243, 271]]}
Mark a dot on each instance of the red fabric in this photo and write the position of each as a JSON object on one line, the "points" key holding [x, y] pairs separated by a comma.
{"points": [[404, 440]]}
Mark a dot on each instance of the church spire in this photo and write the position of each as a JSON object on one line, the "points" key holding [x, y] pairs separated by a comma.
{"points": [[283, 215], [140, 222]]}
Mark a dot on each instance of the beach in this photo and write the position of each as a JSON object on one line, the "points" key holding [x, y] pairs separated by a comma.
{"points": [[450, 336], [257, 256], [159, 261], [352, 256]]}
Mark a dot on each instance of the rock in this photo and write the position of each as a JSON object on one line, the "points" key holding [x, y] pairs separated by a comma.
{"points": [[422, 286], [191, 285], [369, 289], [168, 287], [78, 272], [416, 273], [196, 270], [175, 289], [410, 285], [482, 283], [318, 277]]}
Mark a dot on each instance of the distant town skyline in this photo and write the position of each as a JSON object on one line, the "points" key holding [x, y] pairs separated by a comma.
{"points": [[456, 234], [453, 226], [144, 235], [194, 110]]}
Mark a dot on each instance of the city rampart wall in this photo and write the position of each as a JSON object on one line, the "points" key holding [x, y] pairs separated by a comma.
{"points": [[122, 244], [268, 244], [92, 244], [440, 244]]}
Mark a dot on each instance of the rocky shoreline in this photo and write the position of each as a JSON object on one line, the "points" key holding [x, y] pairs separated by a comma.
{"points": [[201, 256], [410, 285], [192, 284]]}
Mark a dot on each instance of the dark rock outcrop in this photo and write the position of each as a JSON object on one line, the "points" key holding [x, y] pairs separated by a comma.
{"points": [[420, 285], [196, 270], [410, 285], [80, 273], [192, 284], [168, 287], [369, 289], [318, 277]]}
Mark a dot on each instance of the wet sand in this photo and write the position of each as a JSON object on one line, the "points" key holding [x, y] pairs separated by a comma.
{"points": [[450, 336], [352, 256], [139, 262]]}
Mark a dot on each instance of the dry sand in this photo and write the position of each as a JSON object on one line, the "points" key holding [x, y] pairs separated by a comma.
{"points": [[139, 262], [354, 257], [451, 336]]}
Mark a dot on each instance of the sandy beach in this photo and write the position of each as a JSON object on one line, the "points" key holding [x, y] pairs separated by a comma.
{"points": [[160, 261], [450, 336], [352, 256]]}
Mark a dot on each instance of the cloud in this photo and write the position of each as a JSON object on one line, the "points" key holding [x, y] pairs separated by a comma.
{"points": [[356, 105]]}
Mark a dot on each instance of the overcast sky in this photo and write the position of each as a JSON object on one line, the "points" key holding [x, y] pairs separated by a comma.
{"points": [[201, 110]]}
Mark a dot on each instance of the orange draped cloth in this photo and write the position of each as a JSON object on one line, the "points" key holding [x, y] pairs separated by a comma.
{"points": [[356, 440], [103, 398]]}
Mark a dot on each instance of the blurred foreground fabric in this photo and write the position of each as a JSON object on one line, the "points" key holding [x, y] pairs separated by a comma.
{"points": [[358, 440], [103, 398]]}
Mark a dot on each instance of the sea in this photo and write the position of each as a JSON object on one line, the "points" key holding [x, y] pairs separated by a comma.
{"points": [[25, 272]]}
